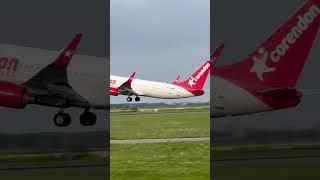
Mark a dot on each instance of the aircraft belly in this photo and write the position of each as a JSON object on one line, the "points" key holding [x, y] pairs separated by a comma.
{"points": [[230, 100], [150, 91], [156, 90]]}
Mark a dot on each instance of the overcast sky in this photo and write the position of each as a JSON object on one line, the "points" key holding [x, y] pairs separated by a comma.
{"points": [[159, 39]]}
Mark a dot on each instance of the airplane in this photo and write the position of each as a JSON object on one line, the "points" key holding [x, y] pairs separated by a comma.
{"points": [[42, 77], [191, 87], [266, 80]]}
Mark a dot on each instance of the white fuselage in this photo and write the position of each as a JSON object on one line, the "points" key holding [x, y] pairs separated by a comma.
{"points": [[231, 100], [152, 88], [228, 99], [86, 74]]}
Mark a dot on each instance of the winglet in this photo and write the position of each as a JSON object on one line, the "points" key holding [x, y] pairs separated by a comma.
{"points": [[216, 54], [131, 77], [65, 56]]}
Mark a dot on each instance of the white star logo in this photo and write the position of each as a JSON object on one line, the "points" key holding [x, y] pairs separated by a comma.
{"points": [[259, 67], [68, 53], [191, 82]]}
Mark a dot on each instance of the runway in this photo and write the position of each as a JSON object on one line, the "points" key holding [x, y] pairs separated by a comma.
{"points": [[148, 141]]}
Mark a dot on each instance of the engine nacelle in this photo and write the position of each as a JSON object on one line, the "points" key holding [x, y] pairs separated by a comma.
{"points": [[12, 95], [113, 91]]}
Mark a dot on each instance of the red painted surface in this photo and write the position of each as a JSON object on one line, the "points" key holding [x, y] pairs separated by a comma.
{"points": [[65, 57], [113, 91], [279, 61], [196, 82], [11, 95]]}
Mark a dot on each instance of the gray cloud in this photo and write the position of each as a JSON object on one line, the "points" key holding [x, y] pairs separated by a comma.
{"points": [[159, 39]]}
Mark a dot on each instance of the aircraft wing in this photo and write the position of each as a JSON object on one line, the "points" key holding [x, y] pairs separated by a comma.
{"points": [[125, 88], [50, 85]]}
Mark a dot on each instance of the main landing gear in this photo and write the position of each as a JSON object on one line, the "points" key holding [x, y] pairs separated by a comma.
{"points": [[87, 118], [62, 119], [137, 99]]}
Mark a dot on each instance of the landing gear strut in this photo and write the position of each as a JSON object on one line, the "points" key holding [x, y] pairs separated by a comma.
{"points": [[62, 119], [88, 118]]}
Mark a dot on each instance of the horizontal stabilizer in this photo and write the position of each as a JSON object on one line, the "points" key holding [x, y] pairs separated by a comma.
{"points": [[279, 92]]}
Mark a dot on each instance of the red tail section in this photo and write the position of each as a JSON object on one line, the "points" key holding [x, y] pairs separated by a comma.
{"points": [[279, 61], [197, 80]]}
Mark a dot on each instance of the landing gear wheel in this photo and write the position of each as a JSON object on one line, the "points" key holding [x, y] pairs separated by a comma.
{"points": [[62, 119], [88, 118], [129, 99], [137, 99]]}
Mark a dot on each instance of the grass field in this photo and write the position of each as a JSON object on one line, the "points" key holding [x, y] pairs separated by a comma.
{"points": [[52, 159], [267, 161], [258, 151], [265, 170], [144, 161], [162, 161], [54, 166], [162, 110], [160, 125], [56, 174]]}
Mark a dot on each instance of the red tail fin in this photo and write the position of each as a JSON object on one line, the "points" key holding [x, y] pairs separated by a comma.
{"points": [[279, 61], [197, 80]]}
